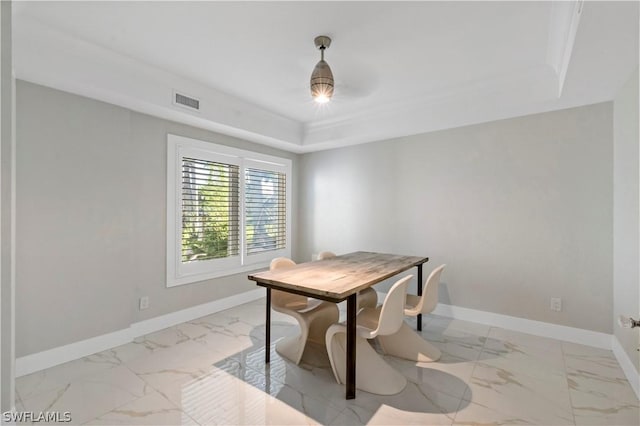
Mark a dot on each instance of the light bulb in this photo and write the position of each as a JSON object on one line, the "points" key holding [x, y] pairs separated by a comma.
{"points": [[322, 99]]}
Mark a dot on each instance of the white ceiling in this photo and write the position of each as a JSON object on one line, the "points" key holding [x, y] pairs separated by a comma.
{"points": [[400, 68]]}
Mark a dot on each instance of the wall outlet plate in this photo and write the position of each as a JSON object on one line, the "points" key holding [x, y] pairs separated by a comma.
{"points": [[556, 304], [144, 302]]}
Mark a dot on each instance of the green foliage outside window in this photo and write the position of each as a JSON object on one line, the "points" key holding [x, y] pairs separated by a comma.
{"points": [[209, 210]]}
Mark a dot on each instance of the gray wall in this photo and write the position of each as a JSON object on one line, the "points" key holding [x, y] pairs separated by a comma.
{"points": [[626, 214], [7, 147], [91, 195], [520, 210]]}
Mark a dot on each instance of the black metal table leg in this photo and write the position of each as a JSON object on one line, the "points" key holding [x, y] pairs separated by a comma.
{"points": [[351, 346], [419, 294], [267, 325]]}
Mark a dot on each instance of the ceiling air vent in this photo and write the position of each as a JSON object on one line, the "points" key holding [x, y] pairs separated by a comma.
{"points": [[185, 101]]}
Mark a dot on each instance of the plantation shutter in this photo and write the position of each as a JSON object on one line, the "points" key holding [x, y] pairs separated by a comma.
{"points": [[210, 210], [265, 210]]}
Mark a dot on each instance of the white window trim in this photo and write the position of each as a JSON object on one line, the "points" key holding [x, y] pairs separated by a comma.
{"points": [[177, 146]]}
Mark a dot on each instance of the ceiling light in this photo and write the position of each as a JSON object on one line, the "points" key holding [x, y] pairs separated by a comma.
{"points": [[322, 77]]}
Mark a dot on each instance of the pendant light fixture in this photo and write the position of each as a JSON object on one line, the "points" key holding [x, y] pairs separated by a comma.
{"points": [[322, 77]]}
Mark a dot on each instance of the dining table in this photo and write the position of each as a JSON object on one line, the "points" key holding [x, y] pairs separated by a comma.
{"points": [[335, 280]]}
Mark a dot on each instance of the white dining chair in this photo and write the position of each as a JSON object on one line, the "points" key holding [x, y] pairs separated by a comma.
{"points": [[367, 298], [373, 374], [314, 318], [406, 343]]}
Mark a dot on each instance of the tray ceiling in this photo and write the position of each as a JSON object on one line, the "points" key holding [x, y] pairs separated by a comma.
{"points": [[400, 68]]}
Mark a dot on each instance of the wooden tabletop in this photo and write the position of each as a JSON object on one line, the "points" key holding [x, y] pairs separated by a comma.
{"points": [[337, 278]]}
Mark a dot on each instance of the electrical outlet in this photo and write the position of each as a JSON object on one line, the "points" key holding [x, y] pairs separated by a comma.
{"points": [[314, 256], [144, 302], [556, 304]]}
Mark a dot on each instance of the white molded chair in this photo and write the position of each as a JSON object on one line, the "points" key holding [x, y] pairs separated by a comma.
{"points": [[373, 374], [314, 317], [367, 298], [406, 343]]}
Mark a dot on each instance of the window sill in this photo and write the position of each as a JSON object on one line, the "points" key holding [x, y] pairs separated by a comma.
{"points": [[194, 278]]}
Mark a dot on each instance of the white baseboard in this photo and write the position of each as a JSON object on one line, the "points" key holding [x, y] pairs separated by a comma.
{"points": [[633, 376], [39, 361], [49, 358], [544, 329], [174, 318], [538, 328]]}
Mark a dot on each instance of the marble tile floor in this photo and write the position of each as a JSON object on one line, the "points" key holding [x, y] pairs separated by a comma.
{"points": [[211, 371]]}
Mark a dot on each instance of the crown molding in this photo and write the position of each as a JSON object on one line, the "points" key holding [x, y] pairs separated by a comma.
{"points": [[563, 26], [504, 97], [48, 56]]}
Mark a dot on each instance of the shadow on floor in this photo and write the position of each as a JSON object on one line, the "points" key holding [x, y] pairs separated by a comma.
{"points": [[313, 390]]}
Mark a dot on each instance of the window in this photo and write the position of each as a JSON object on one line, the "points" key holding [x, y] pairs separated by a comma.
{"points": [[228, 210]]}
